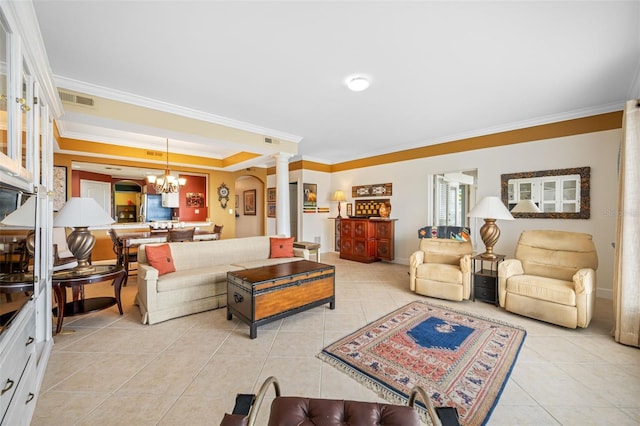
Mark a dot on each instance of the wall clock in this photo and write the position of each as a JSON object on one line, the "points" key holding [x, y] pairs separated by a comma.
{"points": [[223, 195]]}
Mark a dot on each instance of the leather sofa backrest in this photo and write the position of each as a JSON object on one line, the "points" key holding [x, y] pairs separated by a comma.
{"points": [[556, 254], [441, 250], [331, 412]]}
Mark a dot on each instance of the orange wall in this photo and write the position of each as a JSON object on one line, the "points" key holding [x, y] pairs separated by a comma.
{"points": [[194, 185]]}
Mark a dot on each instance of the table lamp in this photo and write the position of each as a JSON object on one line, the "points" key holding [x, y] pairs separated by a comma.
{"points": [[490, 209], [339, 197], [79, 213], [24, 217]]}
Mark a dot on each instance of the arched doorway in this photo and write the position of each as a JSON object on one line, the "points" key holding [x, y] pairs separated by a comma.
{"points": [[127, 200], [250, 217]]}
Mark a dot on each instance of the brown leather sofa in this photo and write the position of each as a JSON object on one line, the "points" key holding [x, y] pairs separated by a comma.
{"points": [[293, 410]]}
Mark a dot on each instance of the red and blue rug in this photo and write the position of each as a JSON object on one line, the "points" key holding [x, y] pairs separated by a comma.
{"points": [[460, 359]]}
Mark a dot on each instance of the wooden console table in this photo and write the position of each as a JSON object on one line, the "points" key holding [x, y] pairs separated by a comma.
{"points": [[367, 240]]}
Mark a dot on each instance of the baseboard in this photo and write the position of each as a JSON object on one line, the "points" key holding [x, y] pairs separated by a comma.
{"points": [[605, 293]]}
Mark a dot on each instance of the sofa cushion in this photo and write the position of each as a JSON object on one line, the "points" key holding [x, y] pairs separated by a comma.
{"points": [[440, 272], [195, 277], [291, 410], [281, 247], [160, 258], [543, 288]]}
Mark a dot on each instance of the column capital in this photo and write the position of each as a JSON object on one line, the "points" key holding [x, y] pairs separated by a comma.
{"points": [[282, 156]]}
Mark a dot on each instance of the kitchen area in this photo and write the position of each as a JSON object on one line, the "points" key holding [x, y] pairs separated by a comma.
{"points": [[136, 207]]}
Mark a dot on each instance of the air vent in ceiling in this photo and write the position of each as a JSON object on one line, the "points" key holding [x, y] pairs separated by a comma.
{"points": [[271, 140], [70, 98]]}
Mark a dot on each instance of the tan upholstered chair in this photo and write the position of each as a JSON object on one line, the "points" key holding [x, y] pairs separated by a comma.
{"points": [[552, 278], [441, 268]]}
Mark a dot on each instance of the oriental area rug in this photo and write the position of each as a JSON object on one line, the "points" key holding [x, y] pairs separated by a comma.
{"points": [[459, 359]]}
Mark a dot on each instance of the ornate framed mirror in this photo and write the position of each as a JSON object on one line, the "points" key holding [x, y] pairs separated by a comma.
{"points": [[551, 194]]}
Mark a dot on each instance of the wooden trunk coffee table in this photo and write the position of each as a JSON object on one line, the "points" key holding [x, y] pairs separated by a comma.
{"points": [[261, 295]]}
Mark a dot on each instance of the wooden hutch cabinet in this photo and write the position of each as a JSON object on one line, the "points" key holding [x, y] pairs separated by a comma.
{"points": [[367, 240]]}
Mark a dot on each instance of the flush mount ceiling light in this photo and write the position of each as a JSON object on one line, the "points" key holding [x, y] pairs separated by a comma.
{"points": [[358, 84]]}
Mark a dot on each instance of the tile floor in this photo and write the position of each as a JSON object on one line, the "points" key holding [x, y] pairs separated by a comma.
{"points": [[112, 370]]}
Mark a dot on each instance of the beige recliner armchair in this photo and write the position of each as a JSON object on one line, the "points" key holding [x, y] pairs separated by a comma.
{"points": [[552, 278], [441, 268]]}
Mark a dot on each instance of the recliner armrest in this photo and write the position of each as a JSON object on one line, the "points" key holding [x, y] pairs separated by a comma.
{"points": [[584, 281], [506, 269], [416, 259]]}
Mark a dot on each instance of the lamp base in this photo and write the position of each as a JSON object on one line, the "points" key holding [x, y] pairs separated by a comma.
{"points": [[489, 232], [81, 242]]}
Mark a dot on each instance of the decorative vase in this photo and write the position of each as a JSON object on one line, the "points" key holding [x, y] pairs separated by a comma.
{"points": [[385, 209]]}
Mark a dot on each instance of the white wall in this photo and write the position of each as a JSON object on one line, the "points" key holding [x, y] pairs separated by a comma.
{"points": [[409, 200]]}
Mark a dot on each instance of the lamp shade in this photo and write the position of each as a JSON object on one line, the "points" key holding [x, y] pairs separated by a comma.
{"points": [[339, 196], [492, 208], [525, 206], [23, 216], [82, 211]]}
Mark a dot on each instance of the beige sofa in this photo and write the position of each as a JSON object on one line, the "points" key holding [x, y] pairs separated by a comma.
{"points": [[441, 268], [552, 278], [200, 280]]}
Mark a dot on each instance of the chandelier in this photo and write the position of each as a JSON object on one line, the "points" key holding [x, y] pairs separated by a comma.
{"points": [[166, 183]]}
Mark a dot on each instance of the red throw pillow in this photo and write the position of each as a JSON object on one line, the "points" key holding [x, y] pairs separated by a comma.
{"points": [[281, 247], [160, 258]]}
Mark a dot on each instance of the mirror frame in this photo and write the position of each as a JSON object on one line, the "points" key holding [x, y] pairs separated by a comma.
{"points": [[585, 200]]}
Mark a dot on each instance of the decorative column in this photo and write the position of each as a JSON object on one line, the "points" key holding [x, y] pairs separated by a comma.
{"points": [[283, 215]]}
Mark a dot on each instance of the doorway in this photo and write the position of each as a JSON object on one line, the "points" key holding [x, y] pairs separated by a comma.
{"points": [[99, 191], [453, 194]]}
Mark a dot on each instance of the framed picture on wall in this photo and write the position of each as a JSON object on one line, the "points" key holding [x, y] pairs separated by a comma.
{"points": [[271, 209], [250, 202], [59, 187], [195, 199], [349, 209], [310, 191], [271, 195]]}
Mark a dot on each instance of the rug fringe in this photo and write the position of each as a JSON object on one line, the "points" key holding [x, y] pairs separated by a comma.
{"points": [[382, 391]]}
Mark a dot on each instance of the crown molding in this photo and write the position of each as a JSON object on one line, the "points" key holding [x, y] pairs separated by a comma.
{"points": [[120, 96], [571, 115]]}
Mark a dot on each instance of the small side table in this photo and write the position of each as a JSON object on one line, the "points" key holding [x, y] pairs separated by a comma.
{"points": [[485, 281], [62, 280], [314, 248]]}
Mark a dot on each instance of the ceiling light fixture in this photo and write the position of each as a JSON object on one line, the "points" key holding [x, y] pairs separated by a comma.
{"points": [[358, 84], [166, 183]]}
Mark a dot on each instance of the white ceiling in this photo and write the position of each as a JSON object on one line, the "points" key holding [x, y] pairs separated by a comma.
{"points": [[439, 71]]}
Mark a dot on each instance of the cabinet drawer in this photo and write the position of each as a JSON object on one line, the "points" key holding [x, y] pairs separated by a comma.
{"points": [[485, 293], [485, 281], [24, 399], [14, 357]]}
